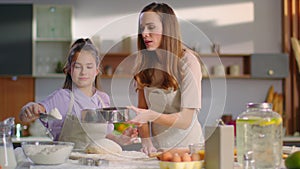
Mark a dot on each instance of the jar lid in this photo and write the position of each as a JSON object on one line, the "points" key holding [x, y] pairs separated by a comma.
{"points": [[260, 105]]}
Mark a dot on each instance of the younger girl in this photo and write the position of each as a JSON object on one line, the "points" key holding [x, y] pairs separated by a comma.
{"points": [[79, 92]]}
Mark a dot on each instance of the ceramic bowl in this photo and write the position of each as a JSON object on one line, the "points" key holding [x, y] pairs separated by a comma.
{"points": [[47, 153]]}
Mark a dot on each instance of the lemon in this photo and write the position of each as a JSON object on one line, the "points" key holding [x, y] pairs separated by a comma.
{"points": [[275, 121], [293, 161], [261, 122]]}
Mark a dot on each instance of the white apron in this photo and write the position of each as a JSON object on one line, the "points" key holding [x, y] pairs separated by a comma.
{"points": [[169, 101], [72, 130]]}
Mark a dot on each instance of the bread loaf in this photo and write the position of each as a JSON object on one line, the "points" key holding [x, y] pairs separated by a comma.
{"points": [[270, 95]]}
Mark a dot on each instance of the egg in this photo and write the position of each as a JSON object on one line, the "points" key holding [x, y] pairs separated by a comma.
{"points": [[186, 157], [176, 158], [166, 156], [202, 154], [196, 157]]}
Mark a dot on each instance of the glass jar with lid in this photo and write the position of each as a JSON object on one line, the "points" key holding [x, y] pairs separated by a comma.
{"points": [[8, 159], [259, 131]]}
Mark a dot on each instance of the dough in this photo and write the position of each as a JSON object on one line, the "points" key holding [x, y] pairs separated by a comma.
{"points": [[103, 146]]}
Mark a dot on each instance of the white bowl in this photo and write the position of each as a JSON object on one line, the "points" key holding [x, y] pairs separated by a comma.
{"points": [[49, 153]]}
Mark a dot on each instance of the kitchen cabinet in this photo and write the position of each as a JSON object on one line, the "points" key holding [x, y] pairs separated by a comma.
{"points": [[113, 60], [16, 39], [52, 36], [267, 65], [15, 91]]}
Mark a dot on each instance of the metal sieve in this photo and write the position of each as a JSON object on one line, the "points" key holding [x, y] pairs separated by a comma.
{"points": [[105, 115]]}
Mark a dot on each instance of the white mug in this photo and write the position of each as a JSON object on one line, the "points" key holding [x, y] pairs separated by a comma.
{"points": [[234, 70], [219, 70]]}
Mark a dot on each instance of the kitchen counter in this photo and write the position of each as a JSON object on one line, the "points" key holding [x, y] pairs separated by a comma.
{"points": [[291, 141], [29, 138], [18, 140], [153, 163], [24, 163]]}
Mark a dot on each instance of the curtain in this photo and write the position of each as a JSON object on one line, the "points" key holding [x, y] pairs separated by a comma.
{"points": [[290, 28]]}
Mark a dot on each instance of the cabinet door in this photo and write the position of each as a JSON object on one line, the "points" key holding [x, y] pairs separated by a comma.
{"points": [[52, 30], [269, 65], [16, 39], [15, 93], [53, 21]]}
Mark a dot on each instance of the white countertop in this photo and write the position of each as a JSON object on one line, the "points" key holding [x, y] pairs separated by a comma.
{"points": [[291, 139], [30, 138], [24, 163]]}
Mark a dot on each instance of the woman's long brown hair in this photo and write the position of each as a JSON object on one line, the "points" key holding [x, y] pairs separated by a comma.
{"points": [[170, 48]]}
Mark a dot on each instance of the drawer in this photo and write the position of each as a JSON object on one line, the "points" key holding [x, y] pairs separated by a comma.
{"points": [[269, 65]]}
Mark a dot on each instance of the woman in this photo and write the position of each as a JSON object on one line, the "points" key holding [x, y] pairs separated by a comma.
{"points": [[79, 92], [168, 78]]}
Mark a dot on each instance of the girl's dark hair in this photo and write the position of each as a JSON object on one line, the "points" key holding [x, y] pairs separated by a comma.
{"points": [[78, 46]]}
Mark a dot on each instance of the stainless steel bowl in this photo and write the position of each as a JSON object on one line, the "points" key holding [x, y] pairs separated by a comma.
{"points": [[104, 115]]}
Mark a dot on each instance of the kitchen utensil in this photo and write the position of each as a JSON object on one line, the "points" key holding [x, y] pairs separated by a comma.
{"points": [[104, 115], [47, 116], [54, 114], [93, 162]]}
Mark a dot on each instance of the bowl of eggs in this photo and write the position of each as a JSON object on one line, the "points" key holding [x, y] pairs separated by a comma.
{"points": [[181, 159]]}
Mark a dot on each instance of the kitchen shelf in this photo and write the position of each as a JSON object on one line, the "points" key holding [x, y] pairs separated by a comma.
{"points": [[228, 77], [53, 40], [104, 76], [243, 60], [112, 60], [224, 55], [51, 75]]}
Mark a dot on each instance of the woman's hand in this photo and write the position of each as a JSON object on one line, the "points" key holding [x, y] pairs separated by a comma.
{"points": [[31, 112], [147, 146], [142, 116], [129, 136]]}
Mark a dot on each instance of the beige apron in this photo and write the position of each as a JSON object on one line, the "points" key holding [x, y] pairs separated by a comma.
{"points": [[169, 101], [72, 130]]}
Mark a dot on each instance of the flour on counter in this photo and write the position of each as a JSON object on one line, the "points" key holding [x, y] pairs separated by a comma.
{"points": [[123, 156]]}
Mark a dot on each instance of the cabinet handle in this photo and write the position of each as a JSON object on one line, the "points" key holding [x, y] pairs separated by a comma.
{"points": [[271, 72], [14, 78]]}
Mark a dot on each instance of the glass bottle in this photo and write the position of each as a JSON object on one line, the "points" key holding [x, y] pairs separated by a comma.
{"points": [[248, 161], [8, 159], [259, 130]]}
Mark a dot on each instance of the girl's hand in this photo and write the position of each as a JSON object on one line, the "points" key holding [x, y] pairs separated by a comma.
{"points": [[31, 112], [142, 116]]}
